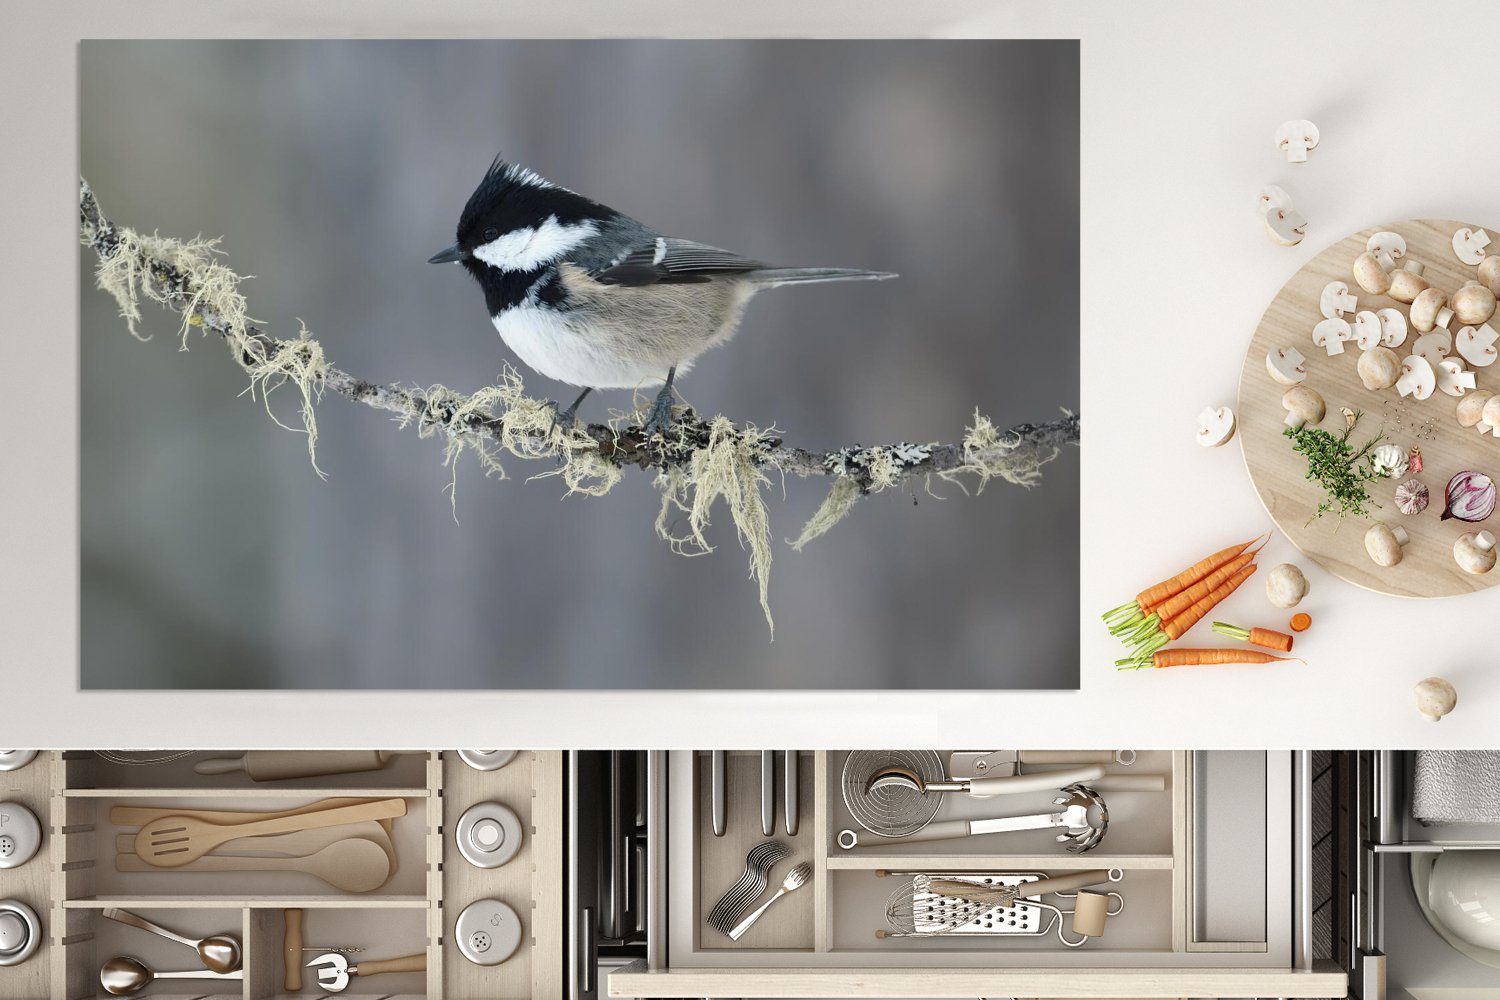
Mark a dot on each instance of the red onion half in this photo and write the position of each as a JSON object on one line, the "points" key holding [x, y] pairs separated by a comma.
{"points": [[1470, 496]]}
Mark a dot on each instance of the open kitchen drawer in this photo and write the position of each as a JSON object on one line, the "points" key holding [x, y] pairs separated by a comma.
{"points": [[1206, 869], [90, 809]]}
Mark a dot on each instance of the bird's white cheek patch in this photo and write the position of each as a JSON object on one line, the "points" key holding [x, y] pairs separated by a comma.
{"points": [[530, 248]]}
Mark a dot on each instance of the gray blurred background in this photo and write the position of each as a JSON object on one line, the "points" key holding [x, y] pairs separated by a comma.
{"points": [[214, 557]]}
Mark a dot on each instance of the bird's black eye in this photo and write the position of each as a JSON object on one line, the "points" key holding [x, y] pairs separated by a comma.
{"points": [[491, 234]]}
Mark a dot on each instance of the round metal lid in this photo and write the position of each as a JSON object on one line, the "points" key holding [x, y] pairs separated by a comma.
{"points": [[14, 760], [487, 760], [20, 835], [20, 932], [488, 932], [488, 834]]}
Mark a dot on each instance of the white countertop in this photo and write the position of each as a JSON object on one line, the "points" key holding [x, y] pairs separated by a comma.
{"points": [[1180, 101]]}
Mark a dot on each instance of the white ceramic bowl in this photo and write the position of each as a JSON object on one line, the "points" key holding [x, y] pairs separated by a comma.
{"points": [[1463, 895]]}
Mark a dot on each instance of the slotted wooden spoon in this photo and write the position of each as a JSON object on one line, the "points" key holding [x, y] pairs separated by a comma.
{"points": [[347, 865], [173, 841]]}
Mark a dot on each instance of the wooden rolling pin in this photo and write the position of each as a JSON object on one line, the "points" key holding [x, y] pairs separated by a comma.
{"points": [[280, 765], [291, 950]]}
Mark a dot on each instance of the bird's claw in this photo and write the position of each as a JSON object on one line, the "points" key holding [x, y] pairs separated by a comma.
{"points": [[565, 418], [659, 417]]}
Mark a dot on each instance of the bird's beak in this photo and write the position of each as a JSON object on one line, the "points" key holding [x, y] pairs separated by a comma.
{"points": [[448, 255]]}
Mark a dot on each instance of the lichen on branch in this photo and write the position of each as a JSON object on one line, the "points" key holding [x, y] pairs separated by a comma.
{"points": [[698, 463]]}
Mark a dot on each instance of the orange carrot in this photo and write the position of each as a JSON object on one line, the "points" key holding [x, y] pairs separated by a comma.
{"points": [[1200, 657], [1269, 638], [1175, 628], [1175, 606], [1301, 622], [1149, 598]]}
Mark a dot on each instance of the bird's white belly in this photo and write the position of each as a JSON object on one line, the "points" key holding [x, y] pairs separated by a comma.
{"points": [[565, 349]]}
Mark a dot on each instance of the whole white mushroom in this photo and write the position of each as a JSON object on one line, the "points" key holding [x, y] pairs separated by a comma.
{"points": [[1435, 698], [1286, 586]]}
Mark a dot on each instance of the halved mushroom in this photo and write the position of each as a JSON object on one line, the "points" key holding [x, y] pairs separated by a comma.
{"points": [[1336, 300], [1370, 276], [1471, 408], [1430, 309], [1388, 248], [1434, 346], [1469, 245], [1285, 365], [1408, 283], [1384, 543], [1489, 419], [1271, 197], [1392, 327], [1332, 334], [1473, 303], [1295, 138], [1475, 552], [1303, 406], [1366, 329], [1489, 273], [1215, 426], [1379, 367], [1417, 380], [1452, 378], [1476, 345]]}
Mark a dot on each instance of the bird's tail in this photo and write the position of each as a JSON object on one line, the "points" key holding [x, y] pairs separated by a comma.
{"points": [[771, 276]]}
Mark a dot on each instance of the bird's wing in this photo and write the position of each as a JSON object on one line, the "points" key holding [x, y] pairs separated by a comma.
{"points": [[668, 260]]}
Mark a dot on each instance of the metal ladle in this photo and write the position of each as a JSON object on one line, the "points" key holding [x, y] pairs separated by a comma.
{"points": [[220, 953], [122, 976]]}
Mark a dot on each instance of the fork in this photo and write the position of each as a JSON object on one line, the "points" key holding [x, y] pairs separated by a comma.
{"points": [[795, 879]]}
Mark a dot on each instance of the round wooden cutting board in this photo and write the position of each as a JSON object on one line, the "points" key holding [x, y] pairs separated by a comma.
{"points": [[1427, 568]]}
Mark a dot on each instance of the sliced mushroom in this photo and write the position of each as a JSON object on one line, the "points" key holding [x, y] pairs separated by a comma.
{"points": [[1392, 327], [1469, 245], [1489, 273], [1476, 345], [1408, 283], [1430, 309], [1417, 380], [1370, 276], [1434, 346], [1271, 197], [1285, 226], [1379, 367], [1388, 248], [1285, 365], [1489, 419], [1384, 543], [1215, 426], [1303, 406], [1471, 408], [1332, 334], [1366, 329], [1452, 378], [1295, 138], [1336, 300], [1473, 303], [1475, 552]]}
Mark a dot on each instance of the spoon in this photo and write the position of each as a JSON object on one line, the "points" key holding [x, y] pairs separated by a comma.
{"points": [[220, 953], [121, 976], [795, 879]]}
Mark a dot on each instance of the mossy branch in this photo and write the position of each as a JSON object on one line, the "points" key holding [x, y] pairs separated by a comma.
{"points": [[697, 462]]}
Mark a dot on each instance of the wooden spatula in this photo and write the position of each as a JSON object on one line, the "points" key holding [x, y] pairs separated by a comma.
{"points": [[173, 841], [348, 865]]}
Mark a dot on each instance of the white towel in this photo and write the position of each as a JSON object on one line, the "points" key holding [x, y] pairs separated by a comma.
{"points": [[1456, 786]]}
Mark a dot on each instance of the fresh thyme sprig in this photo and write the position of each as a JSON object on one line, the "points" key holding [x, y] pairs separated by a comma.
{"points": [[1335, 465]]}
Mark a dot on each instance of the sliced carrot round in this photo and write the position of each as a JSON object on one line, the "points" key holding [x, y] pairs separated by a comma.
{"points": [[1300, 622]]}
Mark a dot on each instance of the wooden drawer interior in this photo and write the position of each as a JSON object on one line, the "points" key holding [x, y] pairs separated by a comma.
{"points": [[74, 793]]}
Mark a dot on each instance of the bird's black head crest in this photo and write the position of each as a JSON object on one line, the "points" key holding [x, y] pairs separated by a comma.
{"points": [[511, 196]]}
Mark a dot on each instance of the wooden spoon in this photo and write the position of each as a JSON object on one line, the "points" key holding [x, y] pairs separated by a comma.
{"points": [[176, 840], [349, 865]]}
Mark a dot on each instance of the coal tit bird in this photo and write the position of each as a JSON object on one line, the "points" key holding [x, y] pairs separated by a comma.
{"points": [[590, 297]]}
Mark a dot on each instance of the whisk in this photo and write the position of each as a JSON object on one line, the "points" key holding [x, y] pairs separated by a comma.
{"points": [[937, 904]]}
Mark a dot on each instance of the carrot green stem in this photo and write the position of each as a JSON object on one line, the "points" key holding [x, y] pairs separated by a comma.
{"points": [[1233, 631]]}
